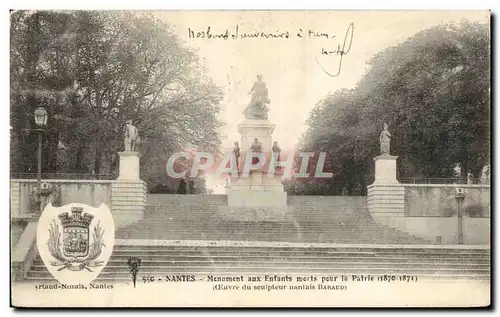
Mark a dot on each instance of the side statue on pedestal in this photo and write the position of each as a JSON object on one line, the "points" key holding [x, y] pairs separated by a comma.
{"points": [[385, 141], [257, 109], [131, 137]]}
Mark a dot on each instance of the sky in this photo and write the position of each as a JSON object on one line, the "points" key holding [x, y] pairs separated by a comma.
{"points": [[291, 66]]}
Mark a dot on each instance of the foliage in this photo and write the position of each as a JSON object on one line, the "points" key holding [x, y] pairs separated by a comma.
{"points": [[72, 263], [432, 90]]}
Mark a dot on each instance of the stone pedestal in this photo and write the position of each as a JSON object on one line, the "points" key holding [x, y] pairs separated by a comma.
{"points": [[385, 169], [128, 192], [386, 196], [257, 191], [128, 202], [258, 196]]}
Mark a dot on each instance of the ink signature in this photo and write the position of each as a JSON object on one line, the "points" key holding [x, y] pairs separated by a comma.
{"points": [[346, 48]]}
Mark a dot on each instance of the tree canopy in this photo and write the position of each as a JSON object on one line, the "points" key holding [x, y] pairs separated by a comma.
{"points": [[93, 70], [433, 91]]}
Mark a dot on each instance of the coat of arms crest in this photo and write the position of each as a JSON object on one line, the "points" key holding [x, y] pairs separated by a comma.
{"points": [[75, 246]]}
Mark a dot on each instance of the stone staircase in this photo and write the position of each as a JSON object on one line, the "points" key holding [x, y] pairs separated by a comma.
{"points": [[203, 258]]}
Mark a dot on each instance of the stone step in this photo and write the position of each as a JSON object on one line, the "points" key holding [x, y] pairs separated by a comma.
{"points": [[269, 239], [234, 250], [330, 214], [321, 223], [266, 228], [344, 232], [371, 235], [127, 280], [312, 212], [190, 208], [289, 233]]}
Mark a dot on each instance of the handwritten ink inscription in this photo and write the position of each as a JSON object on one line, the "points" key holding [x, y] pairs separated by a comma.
{"points": [[338, 50]]}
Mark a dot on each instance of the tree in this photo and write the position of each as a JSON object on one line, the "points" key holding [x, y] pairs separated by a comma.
{"points": [[433, 92]]}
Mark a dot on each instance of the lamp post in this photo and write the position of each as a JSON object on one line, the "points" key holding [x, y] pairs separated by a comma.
{"points": [[460, 196], [41, 122]]}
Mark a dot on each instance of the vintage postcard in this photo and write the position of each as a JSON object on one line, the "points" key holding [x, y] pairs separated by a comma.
{"points": [[250, 158]]}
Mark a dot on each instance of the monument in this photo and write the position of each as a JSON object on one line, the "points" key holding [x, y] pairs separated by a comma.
{"points": [[128, 201], [256, 194]]}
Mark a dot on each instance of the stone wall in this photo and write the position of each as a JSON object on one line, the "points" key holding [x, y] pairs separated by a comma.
{"points": [[401, 206], [125, 198], [185, 206], [189, 201], [128, 201], [429, 211], [386, 200], [165, 199], [15, 198], [475, 230], [16, 230]]}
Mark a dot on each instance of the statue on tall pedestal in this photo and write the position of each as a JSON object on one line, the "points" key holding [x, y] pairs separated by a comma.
{"points": [[258, 109], [131, 136], [385, 141], [276, 150]]}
